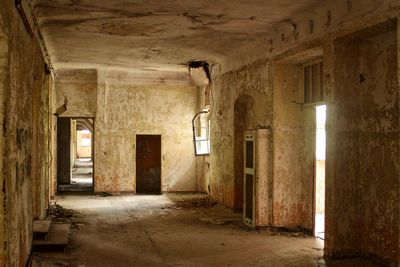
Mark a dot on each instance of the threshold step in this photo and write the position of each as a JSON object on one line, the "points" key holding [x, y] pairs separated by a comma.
{"points": [[57, 238], [41, 229], [75, 187]]}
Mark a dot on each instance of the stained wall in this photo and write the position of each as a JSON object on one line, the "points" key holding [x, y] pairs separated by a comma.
{"points": [[293, 133], [125, 109], [25, 119], [78, 88], [363, 144], [252, 80], [361, 81]]}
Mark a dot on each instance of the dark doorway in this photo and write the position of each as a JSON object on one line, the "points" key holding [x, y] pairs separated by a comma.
{"points": [[148, 164], [63, 151], [75, 154], [242, 114]]}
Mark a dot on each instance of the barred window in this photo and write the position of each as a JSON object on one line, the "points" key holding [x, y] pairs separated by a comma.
{"points": [[313, 83]]}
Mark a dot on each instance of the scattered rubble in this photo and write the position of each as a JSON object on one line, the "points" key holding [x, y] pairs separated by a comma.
{"points": [[59, 214], [218, 221], [285, 231], [105, 194], [202, 202], [41, 261]]}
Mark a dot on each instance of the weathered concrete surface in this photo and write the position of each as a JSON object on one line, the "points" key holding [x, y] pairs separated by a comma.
{"points": [[140, 36], [157, 34], [327, 18], [124, 110], [293, 131], [363, 145], [79, 88], [24, 126], [264, 178], [142, 231], [254, 81]]}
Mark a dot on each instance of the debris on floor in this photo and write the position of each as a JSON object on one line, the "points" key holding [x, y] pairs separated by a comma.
{"points": [[58, 213], [105, 194], [199, 202], [41, 261], [285, 231], [218, 221], [51, 260]]}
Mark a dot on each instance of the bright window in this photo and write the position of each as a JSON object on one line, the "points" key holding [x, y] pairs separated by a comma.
{"points": [[201, 133], [321, 135], [86, 138]]}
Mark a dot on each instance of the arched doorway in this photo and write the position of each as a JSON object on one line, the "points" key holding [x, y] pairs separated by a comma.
{"points": [[243, 114]]}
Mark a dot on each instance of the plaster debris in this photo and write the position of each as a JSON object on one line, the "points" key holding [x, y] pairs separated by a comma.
{"points": [[58, 213]]}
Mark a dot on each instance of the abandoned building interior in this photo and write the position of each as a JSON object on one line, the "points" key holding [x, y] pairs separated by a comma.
{"points": [[199, 133]]}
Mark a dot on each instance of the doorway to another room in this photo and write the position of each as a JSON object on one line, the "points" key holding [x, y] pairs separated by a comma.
{"points": [[320, 148], [243, 112], [75, 155]]}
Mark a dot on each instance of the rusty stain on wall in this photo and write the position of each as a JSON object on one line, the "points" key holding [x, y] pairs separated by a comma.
{"points": [[293, 131], [365, 144]]}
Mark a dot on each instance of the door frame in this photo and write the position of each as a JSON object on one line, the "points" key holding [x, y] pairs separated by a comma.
{"points": [[93, 149]]}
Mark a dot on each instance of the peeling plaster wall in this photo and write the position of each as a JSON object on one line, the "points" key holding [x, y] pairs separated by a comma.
{"points": [[254, 81], [293, 131], [327, 18], [364, 145], [26, 118], [124, 110], [41, 134], [79, 87], [362, 123]]}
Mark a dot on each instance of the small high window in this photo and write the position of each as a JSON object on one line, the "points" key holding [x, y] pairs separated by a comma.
{"points": [[313, 83], [86, 139], [201, 133]]}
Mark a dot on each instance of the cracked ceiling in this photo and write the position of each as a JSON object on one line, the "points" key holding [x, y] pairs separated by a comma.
{"points": [[156, 35]]}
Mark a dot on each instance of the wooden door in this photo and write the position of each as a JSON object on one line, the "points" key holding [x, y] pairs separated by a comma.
{"points": [[148, 164]]}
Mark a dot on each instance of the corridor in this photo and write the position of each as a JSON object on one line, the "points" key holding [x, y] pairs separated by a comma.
{"points": [[176, 230]]}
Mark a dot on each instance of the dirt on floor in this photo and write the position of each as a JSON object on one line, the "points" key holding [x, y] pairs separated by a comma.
{"points": [[175, 230]]}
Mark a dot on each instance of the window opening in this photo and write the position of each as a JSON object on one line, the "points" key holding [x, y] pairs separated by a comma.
{"points": [[201, 133], [313, 83]]}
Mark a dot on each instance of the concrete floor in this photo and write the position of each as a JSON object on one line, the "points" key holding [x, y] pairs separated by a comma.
{"points": [[153, 231], [82, 172]]}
